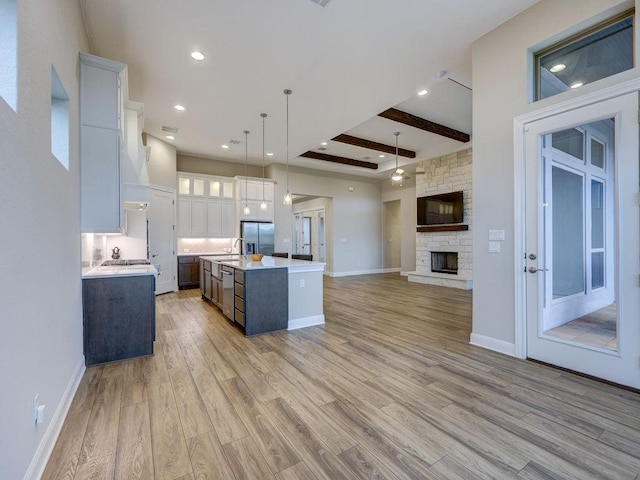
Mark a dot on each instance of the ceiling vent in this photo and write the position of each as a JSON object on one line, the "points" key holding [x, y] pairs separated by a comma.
{"points": [[234, 142], [322, 149], [322, 3], [169, 129]]}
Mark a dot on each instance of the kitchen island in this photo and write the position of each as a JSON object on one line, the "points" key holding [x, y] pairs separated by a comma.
{"points": [[273, 294]]}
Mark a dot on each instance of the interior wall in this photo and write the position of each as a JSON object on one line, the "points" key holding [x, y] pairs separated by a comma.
{"points": [[162, 162], [40, 286], [407, 196], [501, 72], [356, 215], [208, 166]]}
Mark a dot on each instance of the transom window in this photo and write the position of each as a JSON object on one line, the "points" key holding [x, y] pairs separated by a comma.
{"points": [[597, 53]]}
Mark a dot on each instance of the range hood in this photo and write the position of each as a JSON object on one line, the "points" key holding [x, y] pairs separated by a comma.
{"points": [[135, 176]]}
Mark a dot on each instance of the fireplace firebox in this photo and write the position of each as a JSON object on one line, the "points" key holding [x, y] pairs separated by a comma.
{"points": [[444, 262]]}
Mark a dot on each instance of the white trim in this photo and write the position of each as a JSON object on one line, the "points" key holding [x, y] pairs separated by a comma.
{"points": [[404, 274], [391, 270], [356, 272], [41, 457], [520, 125], [305, 322], [494, 344]]}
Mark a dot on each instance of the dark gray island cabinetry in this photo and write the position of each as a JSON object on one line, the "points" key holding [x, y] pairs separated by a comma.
{"points": [[261, 300], [119, 317]]}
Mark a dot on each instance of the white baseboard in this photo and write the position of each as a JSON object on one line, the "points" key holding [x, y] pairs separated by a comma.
{"points": [[41, 457], [391, 270], [494, 344], [306, 322], [356, 272]]}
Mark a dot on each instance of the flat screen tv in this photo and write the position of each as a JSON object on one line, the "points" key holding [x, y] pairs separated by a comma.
{"points": [[445, 208]]}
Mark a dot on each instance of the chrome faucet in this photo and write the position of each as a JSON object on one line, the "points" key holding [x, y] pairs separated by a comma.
{"points": [[240, 240]]}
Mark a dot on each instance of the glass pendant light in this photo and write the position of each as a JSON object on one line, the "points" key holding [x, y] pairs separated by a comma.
{"points": [[287, 196], [398, 172], [247, 210], [263, 204]]}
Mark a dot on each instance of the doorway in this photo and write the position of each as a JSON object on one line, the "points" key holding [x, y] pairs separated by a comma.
{"points": [[310, 233], [162, 251], [391, 233], [580, 265]]}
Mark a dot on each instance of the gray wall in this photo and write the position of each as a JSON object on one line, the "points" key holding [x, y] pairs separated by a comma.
{"points": [[356, 224], [40, 286], [208, 166], [500, 78], [162, 162]]}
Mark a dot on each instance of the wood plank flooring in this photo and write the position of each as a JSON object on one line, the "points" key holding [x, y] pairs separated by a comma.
{"points": [[388, 388]]}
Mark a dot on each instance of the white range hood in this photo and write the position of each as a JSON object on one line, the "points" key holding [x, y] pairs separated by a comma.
{"points": [[135, 176]]}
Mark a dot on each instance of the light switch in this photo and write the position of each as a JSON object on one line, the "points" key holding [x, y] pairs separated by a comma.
{"points": [[494, 247], [496, 235], [285, 240]]}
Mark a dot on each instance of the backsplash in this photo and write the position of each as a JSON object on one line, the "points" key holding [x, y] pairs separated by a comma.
{"points": [[205, 245]]}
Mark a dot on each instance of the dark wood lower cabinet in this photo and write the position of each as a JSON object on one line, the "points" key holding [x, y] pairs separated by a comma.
{"points": [[188, 272], [119, 317]]}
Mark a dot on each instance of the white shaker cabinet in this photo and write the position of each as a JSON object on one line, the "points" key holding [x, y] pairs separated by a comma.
{"points": [[101, 103]]}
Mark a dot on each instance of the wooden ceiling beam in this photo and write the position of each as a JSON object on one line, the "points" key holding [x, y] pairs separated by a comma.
{"points": [[341, 160], [380, 147], [424, 124]]}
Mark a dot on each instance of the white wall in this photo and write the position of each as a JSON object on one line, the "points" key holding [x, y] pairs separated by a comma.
{"points": [[500, 79], [40, 286], [162, 162], [357, 219], [407, 196]]}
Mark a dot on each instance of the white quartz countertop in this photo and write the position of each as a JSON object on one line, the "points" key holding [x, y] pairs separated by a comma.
{"points": [[270, 262], [210, 254], [120, 271]]}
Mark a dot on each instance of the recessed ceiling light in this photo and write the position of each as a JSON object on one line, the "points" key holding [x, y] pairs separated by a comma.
{"points": [[269, 154], [171, 137], [380, 156], [179, 107], [197, 55], [225, 146], [323, 143], [423, 92], [557, 68], [577, 84]]}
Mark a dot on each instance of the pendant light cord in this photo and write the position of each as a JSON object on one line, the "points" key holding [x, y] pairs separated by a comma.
{"points": [[288, 92], [246, 166], [263, 115]]}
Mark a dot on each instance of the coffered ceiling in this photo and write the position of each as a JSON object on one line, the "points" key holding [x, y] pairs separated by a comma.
{"points": [[346, 62]]}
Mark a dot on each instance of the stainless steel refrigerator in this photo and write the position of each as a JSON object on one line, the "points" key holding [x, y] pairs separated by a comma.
{"points": [[259, 237]]}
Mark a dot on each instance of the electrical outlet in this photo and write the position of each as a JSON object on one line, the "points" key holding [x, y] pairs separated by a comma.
{"points": [[302, 283]]}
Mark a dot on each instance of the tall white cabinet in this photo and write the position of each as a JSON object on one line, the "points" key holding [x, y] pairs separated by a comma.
{"points": [[101, 107], [250, 193]]}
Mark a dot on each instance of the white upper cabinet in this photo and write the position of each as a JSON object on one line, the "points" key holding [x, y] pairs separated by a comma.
{"points": [[101, 144], [206, 206]]}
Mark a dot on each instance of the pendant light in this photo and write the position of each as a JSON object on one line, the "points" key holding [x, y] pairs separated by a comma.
{"points": [[397, 173], [247, 210], [263, 204], [287, 196]]}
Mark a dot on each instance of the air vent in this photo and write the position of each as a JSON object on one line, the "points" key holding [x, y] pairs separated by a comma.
{"points": [[366, 158], [322, 3], [169, 129], [234, 142], [322, 149]]}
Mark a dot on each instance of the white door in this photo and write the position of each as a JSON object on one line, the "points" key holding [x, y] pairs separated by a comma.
{"points": [[161, 216], [582, 240]]}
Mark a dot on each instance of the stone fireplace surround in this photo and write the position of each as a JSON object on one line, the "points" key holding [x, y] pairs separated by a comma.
{"points": [[449, 173]]}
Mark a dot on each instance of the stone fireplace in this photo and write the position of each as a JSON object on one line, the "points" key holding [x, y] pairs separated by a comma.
{"points": [[444, 255]]}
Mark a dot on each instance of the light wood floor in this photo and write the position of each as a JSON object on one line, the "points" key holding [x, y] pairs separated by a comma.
{"points": [[388, 388]]}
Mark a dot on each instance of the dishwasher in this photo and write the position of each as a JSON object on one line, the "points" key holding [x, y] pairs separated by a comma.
{"points": [[227, 292]]}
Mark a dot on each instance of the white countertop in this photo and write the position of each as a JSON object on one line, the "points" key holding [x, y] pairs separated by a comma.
{"points": [[213, 254], [120, 271], [270, 262]]}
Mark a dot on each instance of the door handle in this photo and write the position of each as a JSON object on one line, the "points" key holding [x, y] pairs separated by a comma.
{"points": [[536, 270], [154, 255]]}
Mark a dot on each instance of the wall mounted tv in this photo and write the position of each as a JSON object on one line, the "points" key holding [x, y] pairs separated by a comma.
{"points": [[445, 208]]}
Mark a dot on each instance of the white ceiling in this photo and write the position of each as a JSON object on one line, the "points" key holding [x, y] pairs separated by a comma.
{"points": [[345, 62]]}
